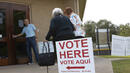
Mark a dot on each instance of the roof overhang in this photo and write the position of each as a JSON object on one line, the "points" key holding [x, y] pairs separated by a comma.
{"points": [[82, 4]]}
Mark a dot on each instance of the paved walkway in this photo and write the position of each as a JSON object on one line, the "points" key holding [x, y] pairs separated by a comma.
{"points": [[102, 66], [113, 59]]}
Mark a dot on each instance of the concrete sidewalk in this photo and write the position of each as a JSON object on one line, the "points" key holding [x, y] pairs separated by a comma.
{"points": [[102, 66]]}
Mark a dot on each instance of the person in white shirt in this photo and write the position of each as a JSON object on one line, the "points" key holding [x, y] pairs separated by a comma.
{"points": [[76, 21]]}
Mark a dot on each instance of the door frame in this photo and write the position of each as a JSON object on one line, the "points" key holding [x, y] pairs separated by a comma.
{"points": [[5, 6], [10, 27]]}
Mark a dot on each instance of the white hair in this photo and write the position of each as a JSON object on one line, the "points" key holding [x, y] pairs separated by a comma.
{"points": [[57, 11]]}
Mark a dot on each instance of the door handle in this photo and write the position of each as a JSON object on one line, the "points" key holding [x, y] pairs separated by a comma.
{"points": [[10, 36]]}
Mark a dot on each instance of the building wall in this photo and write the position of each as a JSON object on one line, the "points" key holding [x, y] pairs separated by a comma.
{"points": [[41, 10], [26, 2], [41, 13]]}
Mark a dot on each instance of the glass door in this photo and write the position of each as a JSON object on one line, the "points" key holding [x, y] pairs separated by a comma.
{"points": [[3, 41], [19, 42], [19, 13], [11, 22], [3, 35]]}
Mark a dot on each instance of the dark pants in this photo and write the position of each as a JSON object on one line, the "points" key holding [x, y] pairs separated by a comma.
{"points": [[31, 43]]}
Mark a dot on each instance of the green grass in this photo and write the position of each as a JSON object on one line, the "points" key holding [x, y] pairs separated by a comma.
{"points": [[109, 56], [121, 66]]}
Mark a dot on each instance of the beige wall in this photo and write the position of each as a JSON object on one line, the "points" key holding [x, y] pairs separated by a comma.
{"points": [[40, 12], [26, 2]]}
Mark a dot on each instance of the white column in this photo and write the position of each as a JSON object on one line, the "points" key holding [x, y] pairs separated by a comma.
{"points": [[76, 6]]}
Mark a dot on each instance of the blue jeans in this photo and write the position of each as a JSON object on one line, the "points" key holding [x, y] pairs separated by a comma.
{"points": [[31, 43]]}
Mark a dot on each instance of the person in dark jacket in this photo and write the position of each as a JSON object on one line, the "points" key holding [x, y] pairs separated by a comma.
{"points": [[61, 27]]}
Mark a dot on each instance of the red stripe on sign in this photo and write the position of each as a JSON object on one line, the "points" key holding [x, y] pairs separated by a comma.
{"points": [[75, 67]]}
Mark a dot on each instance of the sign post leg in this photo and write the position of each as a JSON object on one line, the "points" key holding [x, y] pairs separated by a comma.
{"points": [[47, 70]]}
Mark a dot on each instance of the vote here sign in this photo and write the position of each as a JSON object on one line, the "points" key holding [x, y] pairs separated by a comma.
{"points": [[75, 56]]}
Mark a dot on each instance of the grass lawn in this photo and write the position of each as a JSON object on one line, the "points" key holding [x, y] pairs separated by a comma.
{"points": [[121, 66], [109, 56]]}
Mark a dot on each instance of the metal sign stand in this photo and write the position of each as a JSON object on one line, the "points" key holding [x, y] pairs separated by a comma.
{"points": [[108, 40], [98, 42], [47, 70]]}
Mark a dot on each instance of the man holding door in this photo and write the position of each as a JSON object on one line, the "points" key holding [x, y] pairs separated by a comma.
{"points": [[31, 37]]}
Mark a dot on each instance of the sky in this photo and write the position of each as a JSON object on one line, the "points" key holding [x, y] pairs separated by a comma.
{"points": [[116, 11]]}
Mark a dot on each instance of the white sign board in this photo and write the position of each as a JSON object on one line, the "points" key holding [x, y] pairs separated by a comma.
{"points": [[128, 46], [120, 45], [102, 37], [75, 56]]}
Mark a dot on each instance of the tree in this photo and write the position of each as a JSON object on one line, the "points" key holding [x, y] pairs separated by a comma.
{"points": [[90, 29], [125, 30], [101, 24]]}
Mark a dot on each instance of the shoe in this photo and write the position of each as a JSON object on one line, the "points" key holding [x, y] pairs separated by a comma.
{"points": [[30, 63]]}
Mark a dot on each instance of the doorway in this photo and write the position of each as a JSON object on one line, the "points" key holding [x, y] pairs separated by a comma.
{"points": [[11, 22]]}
